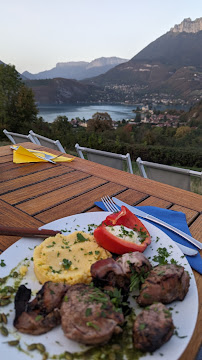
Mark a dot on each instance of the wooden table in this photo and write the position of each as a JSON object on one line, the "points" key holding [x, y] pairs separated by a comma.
{"points": [[37, 193]]}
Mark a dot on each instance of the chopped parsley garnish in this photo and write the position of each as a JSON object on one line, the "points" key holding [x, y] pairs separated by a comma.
{"points": [[66, 264], [167, 312], [54, 271], [173, 261], [53, 243], [38, 317], [2, 264], [65, 242], [80, 238], [180, 337], [146, 295], [91, 324], [137, 279], [142, 326], [88, 311], [142, 235], [126, 232], [65, 298], [161, 257]]}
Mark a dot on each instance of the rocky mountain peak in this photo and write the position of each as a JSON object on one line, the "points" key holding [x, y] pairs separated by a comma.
{"points": [[189, 26]]}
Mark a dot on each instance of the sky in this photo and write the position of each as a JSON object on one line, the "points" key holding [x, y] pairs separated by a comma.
{"points": [[37, 34]]}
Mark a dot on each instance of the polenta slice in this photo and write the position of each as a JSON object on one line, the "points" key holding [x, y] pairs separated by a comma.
{"points": [[67, 258]]}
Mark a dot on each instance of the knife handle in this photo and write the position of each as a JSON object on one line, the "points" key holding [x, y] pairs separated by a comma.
{"points": [[27, 232]]}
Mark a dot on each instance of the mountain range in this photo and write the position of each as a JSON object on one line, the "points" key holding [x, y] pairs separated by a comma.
{"points": [[169, 68], [172, 64], [77, 69]]}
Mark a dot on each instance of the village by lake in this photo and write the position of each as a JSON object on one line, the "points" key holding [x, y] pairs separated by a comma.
{"points": [[117, 112]]}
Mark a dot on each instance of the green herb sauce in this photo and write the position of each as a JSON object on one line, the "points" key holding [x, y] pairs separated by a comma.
{"points": [[120, 347]]}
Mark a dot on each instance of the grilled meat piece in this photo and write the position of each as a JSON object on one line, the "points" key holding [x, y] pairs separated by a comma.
{"points": [[152, 328], [41, 314], [165, 284], [88, 316], [108, 274], [134, 262], [36, 324], [49, 297]]}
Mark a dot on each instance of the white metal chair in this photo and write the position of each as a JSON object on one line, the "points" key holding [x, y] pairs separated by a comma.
{"points": [[44, 141], [105, 158], [166, 174], [16, 138]]}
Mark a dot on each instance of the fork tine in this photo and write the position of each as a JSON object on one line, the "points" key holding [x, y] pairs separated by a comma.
{"points": [[112, 204], [104, 200], [109, 204]]}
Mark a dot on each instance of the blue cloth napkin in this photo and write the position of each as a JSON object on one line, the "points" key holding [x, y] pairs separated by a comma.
{"points": [[175, 218]]}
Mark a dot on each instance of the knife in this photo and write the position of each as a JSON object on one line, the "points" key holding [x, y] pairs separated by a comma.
{"points": [[186, 250], [27, 232], [144, 215]]}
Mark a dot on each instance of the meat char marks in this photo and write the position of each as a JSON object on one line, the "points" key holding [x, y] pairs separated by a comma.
{"points": [[152, 328], [88, 316], [165, 284], [41, 314]]}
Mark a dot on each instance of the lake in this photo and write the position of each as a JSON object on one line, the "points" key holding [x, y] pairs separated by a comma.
{"points": [[117, 111]]}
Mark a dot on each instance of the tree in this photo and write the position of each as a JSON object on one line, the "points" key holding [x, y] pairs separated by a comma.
{"points": [[182, 131], [62, 130], [25, 109], [100, 122], [17, 105], [138, 118]]}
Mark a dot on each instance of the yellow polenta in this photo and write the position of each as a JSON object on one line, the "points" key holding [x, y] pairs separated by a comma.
{"points": [[67, 258]]}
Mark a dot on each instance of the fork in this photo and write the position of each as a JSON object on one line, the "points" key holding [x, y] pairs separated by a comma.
{"points": [[111, 206]]}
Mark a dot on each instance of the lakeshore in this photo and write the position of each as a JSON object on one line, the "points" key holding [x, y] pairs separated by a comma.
{"points": [[117, 112]]}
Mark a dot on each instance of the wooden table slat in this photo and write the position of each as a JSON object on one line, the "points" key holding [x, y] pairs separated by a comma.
{"points": [[44, 187], [170, 193], [155, 201], [61, 195], [191, 215], [27, 169], [81, 203], [33, 178]]}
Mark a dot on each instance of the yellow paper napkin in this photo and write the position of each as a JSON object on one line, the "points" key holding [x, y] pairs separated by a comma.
{"points": [[23, 155]]}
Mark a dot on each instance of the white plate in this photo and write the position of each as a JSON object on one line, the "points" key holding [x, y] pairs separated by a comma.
{"points": [[184, 313]]}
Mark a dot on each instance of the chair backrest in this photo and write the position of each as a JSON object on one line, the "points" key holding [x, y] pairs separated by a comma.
{"points": [[44, 141], [166, 174], [16, 138], [105, 158]]}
